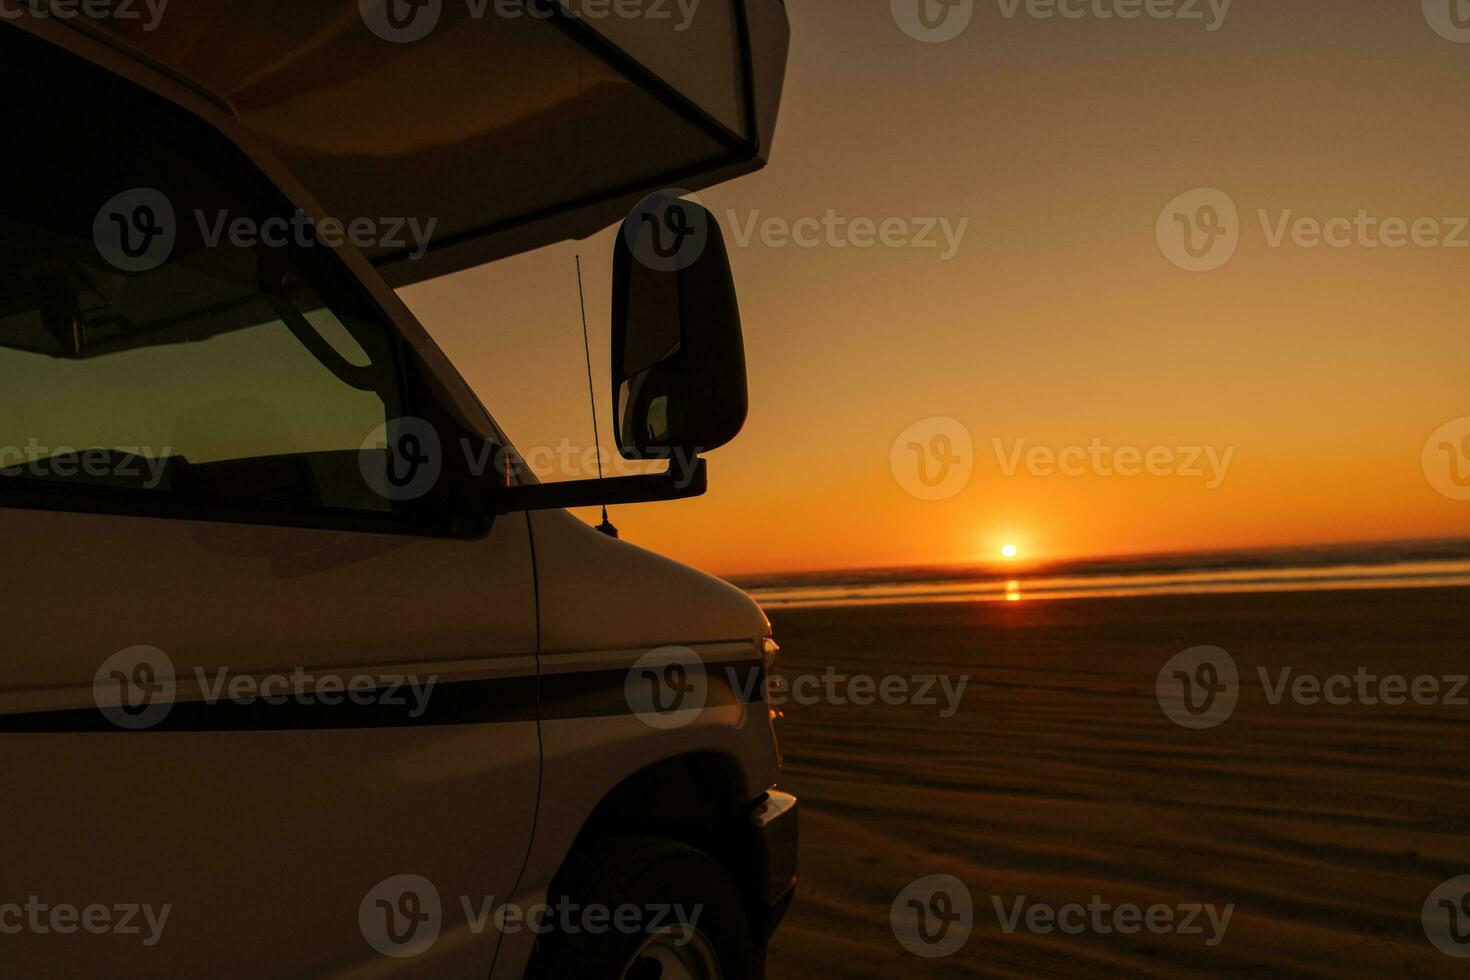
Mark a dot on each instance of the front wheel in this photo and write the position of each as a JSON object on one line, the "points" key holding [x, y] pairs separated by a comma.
{"points": [[643, 908]]}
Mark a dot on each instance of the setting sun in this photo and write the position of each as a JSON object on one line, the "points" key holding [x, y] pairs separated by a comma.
{"points": [[1010, 551]]}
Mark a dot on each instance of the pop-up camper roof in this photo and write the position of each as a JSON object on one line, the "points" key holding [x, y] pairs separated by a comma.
{"points": [[513, 123]]}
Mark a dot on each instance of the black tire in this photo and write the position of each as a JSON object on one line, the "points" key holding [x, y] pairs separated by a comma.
{"points": [[641, 872]]}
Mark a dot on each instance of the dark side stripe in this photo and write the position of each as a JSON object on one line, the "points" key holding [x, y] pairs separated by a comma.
{"points": [[584, 694]]}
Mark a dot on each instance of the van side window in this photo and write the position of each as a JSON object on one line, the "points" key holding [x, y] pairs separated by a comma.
{"points": [[170, 328]]}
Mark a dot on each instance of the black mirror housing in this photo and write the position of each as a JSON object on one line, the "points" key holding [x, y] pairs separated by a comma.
{"points": [[678, 355]]}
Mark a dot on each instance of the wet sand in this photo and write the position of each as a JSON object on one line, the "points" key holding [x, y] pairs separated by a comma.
{"points": [[1060, 778]]}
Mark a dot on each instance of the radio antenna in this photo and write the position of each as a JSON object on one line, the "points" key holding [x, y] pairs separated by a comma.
{"points": [[606, 527]]}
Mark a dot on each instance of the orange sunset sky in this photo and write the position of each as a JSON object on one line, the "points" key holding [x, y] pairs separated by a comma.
{"points": [[1059, 319]]}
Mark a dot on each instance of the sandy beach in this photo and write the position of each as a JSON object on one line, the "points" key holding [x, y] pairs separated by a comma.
{"points": [[1059, 778]]}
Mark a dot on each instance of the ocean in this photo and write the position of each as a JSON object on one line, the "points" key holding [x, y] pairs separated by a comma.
{"points": [[1374, 565]]}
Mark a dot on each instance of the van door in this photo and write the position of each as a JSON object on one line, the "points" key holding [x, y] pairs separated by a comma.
{"points": [[259, 714]]}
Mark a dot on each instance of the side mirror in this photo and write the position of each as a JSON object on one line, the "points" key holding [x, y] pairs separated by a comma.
{"points": [[678, 357], [678, 360]]}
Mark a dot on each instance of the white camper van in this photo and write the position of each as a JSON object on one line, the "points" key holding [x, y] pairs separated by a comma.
{"points": [[305, 675]]}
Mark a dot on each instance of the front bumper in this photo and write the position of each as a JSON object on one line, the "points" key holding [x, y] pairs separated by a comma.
{"points": [[775, 820]]}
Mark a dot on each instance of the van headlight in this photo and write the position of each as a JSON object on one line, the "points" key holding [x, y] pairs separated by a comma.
{"points": [[775, 688]]}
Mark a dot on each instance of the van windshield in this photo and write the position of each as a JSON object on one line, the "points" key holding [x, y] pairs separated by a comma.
{"points": [[167, 321]]}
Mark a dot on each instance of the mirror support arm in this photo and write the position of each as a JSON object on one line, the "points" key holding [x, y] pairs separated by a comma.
{"points": [[609, 492]]}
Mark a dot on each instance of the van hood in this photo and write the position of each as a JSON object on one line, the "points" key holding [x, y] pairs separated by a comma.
{"points": [[598, 593]]}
